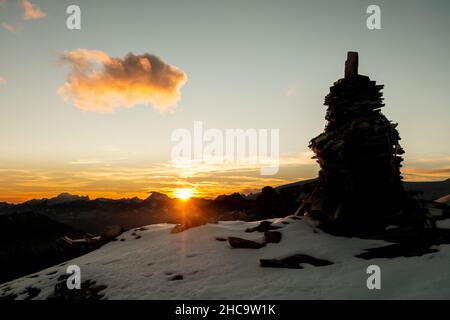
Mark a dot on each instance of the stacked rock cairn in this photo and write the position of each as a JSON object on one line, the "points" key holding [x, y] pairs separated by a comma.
{"points": [[360, 185]]}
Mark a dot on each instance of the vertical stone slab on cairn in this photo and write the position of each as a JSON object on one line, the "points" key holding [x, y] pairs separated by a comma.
{"points": [[351, 65], [360, 186]]}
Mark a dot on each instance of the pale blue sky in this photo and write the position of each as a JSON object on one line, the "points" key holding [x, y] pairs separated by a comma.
{"points": [[241, 57]]}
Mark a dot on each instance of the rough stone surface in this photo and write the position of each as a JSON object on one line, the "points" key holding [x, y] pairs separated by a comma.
{"points": [[294, 262], [272, 236], [360, 185], [262, 226], [244, 243], [351, 65]]}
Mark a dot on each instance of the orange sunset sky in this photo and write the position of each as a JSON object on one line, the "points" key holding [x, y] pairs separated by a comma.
{"points": [[91, 111]]}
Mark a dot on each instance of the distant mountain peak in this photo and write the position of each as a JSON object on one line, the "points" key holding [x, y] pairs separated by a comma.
{"points": [[66, 197], [157, 196], [61, 198]]}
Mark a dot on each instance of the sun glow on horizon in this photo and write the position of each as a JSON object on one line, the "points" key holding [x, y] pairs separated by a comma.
{"points": [[184, 193]]}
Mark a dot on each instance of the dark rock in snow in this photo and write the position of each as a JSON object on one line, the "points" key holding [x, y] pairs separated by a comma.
{"points": [[176, 277], [112, 232], [192, 222], [294, 262], [263, 226], [396, 250], [88, 291], [32, 292], [244, 243], [409, 242], [9, 296], [272, 236], [63, 277]]}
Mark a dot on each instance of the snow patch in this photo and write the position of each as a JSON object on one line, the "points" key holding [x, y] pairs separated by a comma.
{"points": [[194, 265]]}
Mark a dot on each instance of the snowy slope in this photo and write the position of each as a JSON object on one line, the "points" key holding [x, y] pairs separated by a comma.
{"points": [[142, 268], [444, 200]]}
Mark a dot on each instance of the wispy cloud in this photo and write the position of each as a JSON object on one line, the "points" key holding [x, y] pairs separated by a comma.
{"points": [[2, 81], [426, 167], [98, 82], [423, 174], [291, 91], [433, 160], [86, 161], [18, 185], [118, 178], [8, 27], [31, 11]]}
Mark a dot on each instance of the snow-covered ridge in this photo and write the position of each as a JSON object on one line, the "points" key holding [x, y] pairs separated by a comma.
{"points": [[444, 200], [153, 263]]}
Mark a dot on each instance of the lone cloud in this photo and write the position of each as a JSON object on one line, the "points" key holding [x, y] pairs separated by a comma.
{"points": [[31, 11], [100, 83]]}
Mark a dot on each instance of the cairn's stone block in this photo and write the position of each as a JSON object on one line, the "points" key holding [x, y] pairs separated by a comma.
{"points": [[351, 65]]}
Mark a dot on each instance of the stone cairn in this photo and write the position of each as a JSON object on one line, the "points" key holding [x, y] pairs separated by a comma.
{"points": [[360, 186]]}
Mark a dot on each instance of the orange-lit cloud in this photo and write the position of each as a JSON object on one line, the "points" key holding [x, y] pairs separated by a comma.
{"points": [[2, 81], [8, 27], [31, 11], [100, 83], [424, 174], [426, 167]]}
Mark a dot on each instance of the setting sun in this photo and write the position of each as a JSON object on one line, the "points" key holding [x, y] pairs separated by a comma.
{"points": [[184, 193]]}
